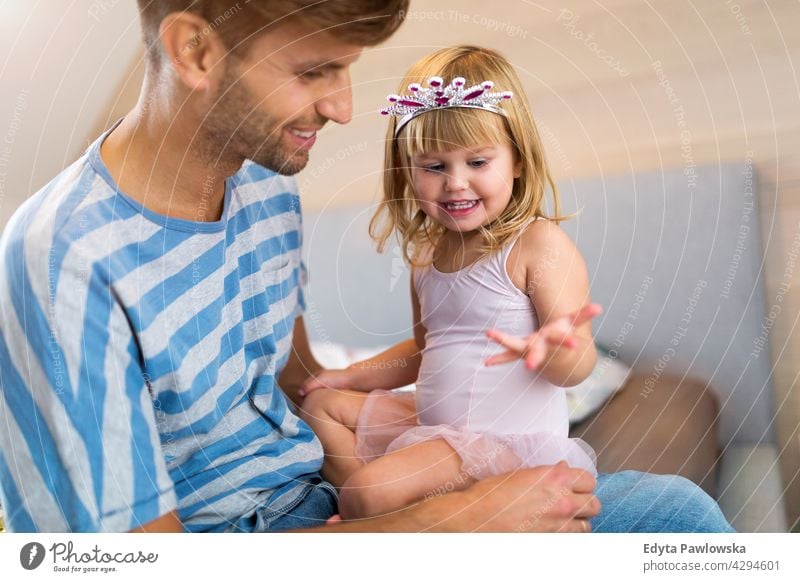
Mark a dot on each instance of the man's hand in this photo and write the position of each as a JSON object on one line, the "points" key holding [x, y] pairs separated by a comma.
{"points": [[336, 379], [167, 523], [544, 499], [537, 347]]}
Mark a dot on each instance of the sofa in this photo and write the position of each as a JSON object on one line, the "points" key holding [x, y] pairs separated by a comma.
{"points": [[674, 256]]}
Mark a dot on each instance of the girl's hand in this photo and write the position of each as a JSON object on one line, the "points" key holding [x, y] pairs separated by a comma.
{"points": [[336, 379], [535, 348]]}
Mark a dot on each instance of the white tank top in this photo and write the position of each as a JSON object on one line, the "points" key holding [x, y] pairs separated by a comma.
{"points": [[454, 386]]}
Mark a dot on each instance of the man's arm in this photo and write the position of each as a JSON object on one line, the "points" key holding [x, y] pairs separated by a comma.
{"points": [[544, 499], [301, 364], [73, 383], [168, 523]]}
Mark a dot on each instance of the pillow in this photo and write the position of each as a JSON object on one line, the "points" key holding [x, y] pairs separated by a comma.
{"points": [[332, 355], [608, 377]]}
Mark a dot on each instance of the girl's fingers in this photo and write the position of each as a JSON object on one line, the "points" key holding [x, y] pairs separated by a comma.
{"points": [[308, 389], [536, 354], [558, 340], [588, 505], [563, 326], [309, 385], [503, 358], [315, 383], [586, 314], [534, 348], [508, 341]]}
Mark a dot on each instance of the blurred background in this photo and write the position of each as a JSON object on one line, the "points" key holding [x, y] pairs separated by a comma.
{"points": [[617, 87]]}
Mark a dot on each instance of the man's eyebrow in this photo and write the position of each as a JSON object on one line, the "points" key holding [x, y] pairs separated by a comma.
{"points": [[319, 65]]}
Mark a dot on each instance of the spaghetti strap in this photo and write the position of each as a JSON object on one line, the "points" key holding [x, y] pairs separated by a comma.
{"points": [[506, 250]]}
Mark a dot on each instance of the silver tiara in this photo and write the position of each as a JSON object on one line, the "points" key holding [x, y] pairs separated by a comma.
{"points": [[439, 96]]}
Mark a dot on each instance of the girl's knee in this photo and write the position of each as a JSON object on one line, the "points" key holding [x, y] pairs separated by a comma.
{"points": [[316, 407], [343, 406], [364, 494], [319, 401]]}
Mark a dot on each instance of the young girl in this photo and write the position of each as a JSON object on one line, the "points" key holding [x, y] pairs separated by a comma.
{"points": [[464, 193]]}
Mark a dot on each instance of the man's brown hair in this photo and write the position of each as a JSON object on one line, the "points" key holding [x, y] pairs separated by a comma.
{"points": [[362, 22]]}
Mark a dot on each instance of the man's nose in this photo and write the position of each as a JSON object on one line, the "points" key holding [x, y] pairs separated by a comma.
{"points": [[337, 103]]}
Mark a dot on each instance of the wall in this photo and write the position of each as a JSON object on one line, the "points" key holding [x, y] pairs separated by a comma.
{"points": [[59, 72]]}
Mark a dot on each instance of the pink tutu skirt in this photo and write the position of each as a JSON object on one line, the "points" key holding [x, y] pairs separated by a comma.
{"points": [[388, 422]]}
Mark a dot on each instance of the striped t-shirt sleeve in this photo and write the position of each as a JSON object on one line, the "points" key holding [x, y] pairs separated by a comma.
{"points": [[79, 445]]}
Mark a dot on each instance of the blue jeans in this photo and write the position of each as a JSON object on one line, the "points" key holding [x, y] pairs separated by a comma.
{"points": [[632, 502], [646, 503], [316, 503]]}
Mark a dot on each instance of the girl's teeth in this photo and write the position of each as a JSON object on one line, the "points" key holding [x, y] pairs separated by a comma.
{"points": [[460, 205]]}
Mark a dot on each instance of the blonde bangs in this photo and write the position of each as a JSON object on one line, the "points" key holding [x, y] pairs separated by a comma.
{"points": [[452, 129]]}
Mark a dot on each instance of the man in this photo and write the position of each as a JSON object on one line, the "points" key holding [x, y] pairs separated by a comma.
{"points": [[152, 303]]}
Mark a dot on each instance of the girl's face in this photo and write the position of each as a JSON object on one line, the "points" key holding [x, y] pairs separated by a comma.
{"points": [[464, 189]]}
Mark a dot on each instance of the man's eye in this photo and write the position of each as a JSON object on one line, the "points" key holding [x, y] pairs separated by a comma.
{"points": [[478, 163], [312, 75]]}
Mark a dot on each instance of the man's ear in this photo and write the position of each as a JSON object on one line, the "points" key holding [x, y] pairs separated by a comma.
{"points": [[194, 50]]}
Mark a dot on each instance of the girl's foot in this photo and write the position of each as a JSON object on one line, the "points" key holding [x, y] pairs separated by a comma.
{"points": [[334, 519]]}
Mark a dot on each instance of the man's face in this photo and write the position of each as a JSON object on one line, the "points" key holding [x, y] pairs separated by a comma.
{"points": [[272, 101]]}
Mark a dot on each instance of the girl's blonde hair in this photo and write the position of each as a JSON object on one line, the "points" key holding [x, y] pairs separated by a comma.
{"points": [[455, 128]]}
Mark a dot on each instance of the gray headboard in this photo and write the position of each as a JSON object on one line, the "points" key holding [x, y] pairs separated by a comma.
{"points": [[674, 257]]}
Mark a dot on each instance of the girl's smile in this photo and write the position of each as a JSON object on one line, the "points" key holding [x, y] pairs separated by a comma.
{"points": [[460, 208]]}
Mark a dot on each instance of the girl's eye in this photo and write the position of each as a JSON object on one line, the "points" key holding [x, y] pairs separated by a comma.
{"points": [[434, 168], [478, 163]]}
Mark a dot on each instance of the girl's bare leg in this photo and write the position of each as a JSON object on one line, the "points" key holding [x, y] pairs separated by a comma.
{"points": [[401, 478], [333, 415]]}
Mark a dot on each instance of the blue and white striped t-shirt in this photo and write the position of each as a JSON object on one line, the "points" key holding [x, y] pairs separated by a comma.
{"points": [[139, 356]]}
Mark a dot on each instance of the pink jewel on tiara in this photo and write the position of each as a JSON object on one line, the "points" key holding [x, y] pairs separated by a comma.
{"points": [[438, 96]]}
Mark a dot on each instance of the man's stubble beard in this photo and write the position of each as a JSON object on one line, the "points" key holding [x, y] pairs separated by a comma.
{"points": [[235, 128]]}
